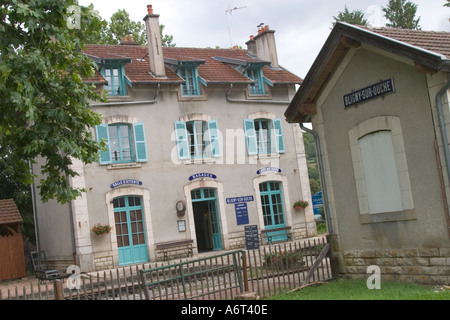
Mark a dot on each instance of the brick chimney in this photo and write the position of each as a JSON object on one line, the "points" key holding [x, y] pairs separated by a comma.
{"points": [[154, 43], [264, 45]]}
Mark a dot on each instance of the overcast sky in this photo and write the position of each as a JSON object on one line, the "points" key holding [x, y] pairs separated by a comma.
{"points": [[301, 26]]}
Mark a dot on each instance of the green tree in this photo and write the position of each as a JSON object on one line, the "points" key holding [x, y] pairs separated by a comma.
{"points": [[353, 17], [401, 14], [121, 26], [45, 103]]}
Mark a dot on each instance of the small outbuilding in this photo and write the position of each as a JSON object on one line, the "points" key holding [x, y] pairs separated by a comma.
{"points": [[12, 256], [377, 102]]}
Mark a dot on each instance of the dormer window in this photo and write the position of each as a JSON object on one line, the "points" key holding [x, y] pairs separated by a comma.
{"points": [[256, 74], [191, 86], [115, 75]]}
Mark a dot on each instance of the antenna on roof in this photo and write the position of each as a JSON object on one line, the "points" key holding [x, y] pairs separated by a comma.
{"points": [[230, 12]]}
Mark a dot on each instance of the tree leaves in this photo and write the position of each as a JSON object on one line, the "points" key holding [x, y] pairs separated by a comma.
{"points": [[45, 104]]}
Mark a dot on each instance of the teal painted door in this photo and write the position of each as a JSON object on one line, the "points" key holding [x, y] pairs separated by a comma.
{"points": [[129, 223], [206, 216], [273, 209]]}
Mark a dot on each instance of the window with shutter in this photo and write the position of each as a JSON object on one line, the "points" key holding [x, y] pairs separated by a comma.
{"points": [[198, 139], [125, 143], [264, 136]]}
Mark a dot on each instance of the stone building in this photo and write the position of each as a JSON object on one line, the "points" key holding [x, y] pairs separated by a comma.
{"points": [[377, 100], [198, 148]]}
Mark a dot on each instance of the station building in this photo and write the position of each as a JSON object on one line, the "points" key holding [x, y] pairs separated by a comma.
{"points": [[377, 100], [198, 148]]}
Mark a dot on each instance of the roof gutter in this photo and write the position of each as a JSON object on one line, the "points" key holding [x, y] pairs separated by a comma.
{"points": [[321, 175]]}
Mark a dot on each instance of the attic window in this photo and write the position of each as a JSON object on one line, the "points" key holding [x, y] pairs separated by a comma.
{"points": [[115, 75], [255, 73], [191, 86]]}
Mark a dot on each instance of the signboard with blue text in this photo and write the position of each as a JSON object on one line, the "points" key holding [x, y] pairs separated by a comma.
{"points": [[317, 201], [240, 207]]}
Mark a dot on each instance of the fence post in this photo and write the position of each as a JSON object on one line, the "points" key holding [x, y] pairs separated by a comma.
{"points": [[244, 270], [332, 240], [57, 285]]}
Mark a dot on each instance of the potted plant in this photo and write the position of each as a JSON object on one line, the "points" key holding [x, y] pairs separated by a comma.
{"points": [[301, 204], [101, 229]]}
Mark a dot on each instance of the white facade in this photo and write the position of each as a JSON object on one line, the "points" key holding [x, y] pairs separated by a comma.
{"points": [[223, 150]]}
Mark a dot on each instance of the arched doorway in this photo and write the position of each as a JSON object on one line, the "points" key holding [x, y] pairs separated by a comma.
{"points": [[206, 219]]}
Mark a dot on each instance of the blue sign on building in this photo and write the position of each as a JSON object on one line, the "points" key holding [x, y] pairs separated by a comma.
{"points": [[241, 213], [239, 199], [202, 175], [125, 181], [376, 90], [317, 201]]}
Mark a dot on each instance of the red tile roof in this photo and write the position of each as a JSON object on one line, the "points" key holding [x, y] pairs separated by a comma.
{"points": [[210, 68], [438, 42], [9, 213]]}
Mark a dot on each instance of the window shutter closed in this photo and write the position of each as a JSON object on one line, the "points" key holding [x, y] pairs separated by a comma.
{"points": [[102, 133], [140, 142], [182, 140], [279, 138], [250, 135], [214, 139]]}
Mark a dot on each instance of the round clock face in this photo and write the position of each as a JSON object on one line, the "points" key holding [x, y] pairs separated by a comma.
{"points": [[180, 206]]}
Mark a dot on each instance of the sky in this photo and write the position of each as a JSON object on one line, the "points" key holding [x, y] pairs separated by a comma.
{"points": [[301, 26]]}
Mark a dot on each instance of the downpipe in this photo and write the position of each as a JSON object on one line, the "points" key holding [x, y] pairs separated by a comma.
{"points": [[322, 175], [443, 130]]}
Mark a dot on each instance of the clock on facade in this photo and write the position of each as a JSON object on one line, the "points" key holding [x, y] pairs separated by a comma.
{"points": [[181, 207]]}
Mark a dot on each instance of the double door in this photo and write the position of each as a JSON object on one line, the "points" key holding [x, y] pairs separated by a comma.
{"points": [[130, 226], [273, 209]]}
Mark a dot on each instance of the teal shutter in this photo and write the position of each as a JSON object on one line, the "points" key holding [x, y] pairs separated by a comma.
{"points": [[279, 138], [214, 139], [140, 142], [250, 135], [102, 133], [182, 140]]}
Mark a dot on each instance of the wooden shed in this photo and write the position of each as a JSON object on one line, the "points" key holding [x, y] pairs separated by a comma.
{"points": [[12, 256]]}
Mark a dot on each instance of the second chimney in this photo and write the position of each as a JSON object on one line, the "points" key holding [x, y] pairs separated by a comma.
{"points": [[155, 51], [265, 44]]}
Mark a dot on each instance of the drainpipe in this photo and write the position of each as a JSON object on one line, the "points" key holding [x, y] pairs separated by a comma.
{"points": [[322, 175], [35, 218], [443, 128]]}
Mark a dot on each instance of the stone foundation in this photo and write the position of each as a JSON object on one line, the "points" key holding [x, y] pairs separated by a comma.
{"points": [[103, 263], [424, 266]]}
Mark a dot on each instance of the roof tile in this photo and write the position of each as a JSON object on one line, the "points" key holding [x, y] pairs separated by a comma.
{"points": [[9, 213], [212, 70]]}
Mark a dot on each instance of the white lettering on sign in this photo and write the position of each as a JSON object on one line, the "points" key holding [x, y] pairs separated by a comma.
{"points": [[373, 91]]}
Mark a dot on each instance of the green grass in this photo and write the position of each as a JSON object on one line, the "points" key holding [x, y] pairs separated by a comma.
{"points": [[357, 290]]}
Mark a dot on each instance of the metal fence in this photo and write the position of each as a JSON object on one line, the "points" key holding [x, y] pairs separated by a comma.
{"points": [[266, 271]]}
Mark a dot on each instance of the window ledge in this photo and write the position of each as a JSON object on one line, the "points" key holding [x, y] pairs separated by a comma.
{"points": [[254, 96], [200, 161], [192, 98], [266, 156], [118, 166], [404, 215], [119, 99]]}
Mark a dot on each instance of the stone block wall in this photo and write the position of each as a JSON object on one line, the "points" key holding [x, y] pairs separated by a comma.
{"points": [[103, 263], [424, 266]]}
